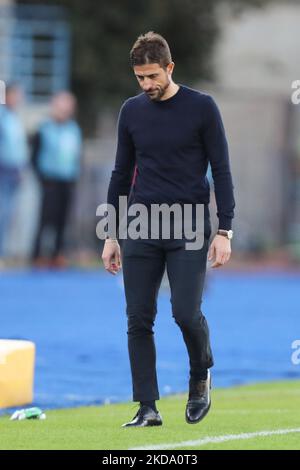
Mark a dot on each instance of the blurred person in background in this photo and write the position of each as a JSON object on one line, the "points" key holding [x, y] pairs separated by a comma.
{"points": [[56, 160], [169, 133], [13, 161]]}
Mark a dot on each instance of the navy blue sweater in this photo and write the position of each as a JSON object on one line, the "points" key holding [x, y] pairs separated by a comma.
{"points": [[170, 143]]}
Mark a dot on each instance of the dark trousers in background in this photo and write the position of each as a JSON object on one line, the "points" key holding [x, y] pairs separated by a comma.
{"points": [[144, 263], [55, 206]]}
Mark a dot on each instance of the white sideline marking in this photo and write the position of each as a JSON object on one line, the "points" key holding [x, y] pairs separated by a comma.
{"points": [[217, 439], [248, 412]]}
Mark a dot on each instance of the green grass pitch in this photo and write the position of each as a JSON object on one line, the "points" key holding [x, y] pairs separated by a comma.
{"points": [[235, 414]]}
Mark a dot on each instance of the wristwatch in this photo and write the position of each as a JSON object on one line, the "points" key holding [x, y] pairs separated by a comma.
{"points": [[225, 233], [111, 239]]}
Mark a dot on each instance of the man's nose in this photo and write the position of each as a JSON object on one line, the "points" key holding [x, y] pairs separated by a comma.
{"points": [[147, 84]]}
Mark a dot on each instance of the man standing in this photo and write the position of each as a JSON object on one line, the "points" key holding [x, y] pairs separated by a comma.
{"points": [[167, 135]]}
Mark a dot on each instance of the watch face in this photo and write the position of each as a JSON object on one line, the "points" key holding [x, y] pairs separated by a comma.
{"points": [[230, 234]]}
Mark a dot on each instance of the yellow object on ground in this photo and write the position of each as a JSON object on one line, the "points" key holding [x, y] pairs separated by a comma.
{"points": [[16, 372]]}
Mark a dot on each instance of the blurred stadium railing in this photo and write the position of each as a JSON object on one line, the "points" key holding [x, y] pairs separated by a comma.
{"points": [[35, 49]]}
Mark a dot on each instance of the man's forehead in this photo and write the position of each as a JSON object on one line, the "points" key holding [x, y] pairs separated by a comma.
{"points": [[147, 69]]}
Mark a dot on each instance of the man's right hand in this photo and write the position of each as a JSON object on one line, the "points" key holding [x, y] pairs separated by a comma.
{"points": [[111, 256]]}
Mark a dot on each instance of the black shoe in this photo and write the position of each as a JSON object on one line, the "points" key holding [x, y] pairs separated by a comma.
{"points": [[199, 400], [145, 417]]}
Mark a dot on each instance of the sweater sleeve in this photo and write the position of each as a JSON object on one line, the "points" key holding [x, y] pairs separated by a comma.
{"points": [[122, 174], [216, 149]]}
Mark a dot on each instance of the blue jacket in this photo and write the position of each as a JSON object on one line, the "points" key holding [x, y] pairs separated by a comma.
{"points": [[13, 144], [57, 153]]}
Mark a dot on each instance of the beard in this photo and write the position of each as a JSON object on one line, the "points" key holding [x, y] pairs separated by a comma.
{"points": [[157, 93]]}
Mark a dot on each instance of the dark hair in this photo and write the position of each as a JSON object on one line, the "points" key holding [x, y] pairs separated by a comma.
{"points": [[150, 48]]}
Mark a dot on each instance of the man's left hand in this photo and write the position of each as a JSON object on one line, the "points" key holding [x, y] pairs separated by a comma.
{"points": [[220, 251]]}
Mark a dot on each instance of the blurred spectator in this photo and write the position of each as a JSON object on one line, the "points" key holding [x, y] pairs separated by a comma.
{"points": [[56, 159], [13, 161], [210, 178]]}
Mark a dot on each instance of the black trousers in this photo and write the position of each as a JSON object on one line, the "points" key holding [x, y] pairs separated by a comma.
{"points": [[144, 263], [55, 206]]}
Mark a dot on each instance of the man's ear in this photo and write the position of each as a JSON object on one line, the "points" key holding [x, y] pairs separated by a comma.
{"points": [[170, 68]]}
